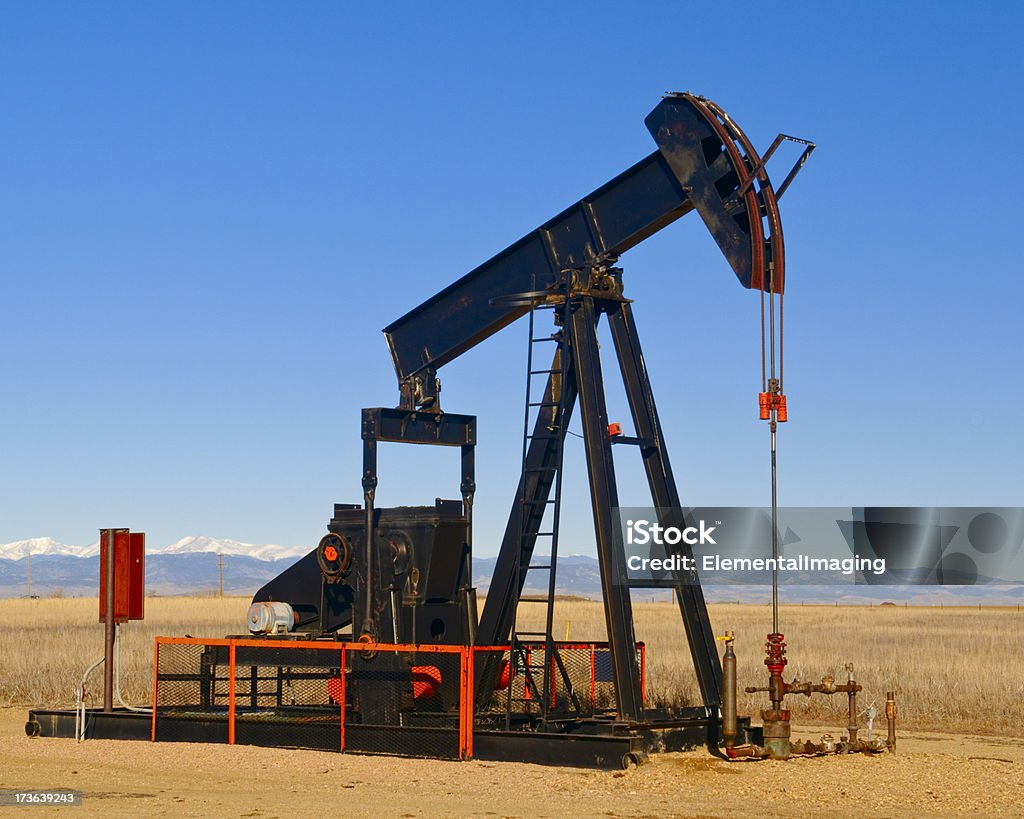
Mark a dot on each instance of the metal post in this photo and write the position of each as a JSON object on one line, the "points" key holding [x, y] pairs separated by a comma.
{"points": [[890, 716], [232, 692], [852, 694], [109, 627], [368, 627], [468, 487], [156, 688], [342, 695]]}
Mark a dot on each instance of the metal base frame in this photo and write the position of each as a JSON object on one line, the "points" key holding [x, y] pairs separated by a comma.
{"points": [[116, 724], [594, 745]]}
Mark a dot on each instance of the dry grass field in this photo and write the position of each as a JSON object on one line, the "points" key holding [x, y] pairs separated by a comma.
{"points": [[954, 669]]}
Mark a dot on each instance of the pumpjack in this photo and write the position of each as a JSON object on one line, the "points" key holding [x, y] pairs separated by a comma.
{"points": [[404, 574]]}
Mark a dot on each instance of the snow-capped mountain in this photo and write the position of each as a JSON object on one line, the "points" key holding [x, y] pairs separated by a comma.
{"points": [[44, 546], [187, 566], [191, 565], [226, 546], [47, 546]]}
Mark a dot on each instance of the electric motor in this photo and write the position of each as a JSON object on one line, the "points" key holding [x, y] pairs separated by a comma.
{"points": [[271, 618]]}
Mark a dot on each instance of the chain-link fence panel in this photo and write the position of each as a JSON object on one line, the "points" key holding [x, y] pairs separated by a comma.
{"points": [[190, 696], [405, 702], [283, 696], [501, 697], [516, 689]]}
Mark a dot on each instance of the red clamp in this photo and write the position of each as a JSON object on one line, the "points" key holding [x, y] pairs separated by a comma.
{"points": [[768, 401]]}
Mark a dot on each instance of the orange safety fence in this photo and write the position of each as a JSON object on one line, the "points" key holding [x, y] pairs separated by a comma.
{"points": [[408, 700]]}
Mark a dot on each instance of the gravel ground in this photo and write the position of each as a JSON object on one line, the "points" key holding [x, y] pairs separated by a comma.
{"points": [[931, 775]]}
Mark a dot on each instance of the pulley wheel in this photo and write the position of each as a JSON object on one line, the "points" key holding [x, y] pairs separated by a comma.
{"points": [[334, 556]]}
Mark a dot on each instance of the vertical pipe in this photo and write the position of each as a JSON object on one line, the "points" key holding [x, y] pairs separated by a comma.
{"points": [[396, 604], [890, 716], [852, 693], [466, 663], [775, 540], [729, 728], [109, 626], [593, 675], [643, 673]]}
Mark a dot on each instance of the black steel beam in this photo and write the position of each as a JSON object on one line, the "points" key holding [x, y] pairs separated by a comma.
{"points": [[618, 608], [689, 594], [696, 166], [412, 427], [607, 222]]}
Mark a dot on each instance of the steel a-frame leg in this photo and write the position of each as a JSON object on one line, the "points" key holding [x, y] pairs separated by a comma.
{"points": [[618, 609], [534, 489], [582, 378], [689, 594]]}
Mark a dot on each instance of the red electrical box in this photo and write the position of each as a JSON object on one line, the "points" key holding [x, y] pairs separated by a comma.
{"points": [[129, 556]]}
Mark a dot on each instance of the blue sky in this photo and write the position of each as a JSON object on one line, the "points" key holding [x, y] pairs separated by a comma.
{"points": [[210, 210]]}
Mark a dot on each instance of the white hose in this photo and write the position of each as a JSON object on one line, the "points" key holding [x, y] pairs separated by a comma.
{"points": [[80, 707], [117, 676], [80, 701]]}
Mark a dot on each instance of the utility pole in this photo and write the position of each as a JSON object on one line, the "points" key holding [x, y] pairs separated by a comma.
{"points": [[30, 573], [220, 572]]}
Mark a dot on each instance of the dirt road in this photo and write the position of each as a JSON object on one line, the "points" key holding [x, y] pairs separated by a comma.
{"points": [[931, 775]]}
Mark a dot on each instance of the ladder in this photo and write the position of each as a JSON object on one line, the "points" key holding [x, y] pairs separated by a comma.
{"points": [[523, 648]]}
